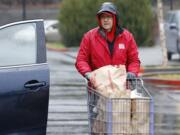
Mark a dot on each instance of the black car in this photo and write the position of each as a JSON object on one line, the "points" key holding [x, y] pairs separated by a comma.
{"points": [[24, 79]]}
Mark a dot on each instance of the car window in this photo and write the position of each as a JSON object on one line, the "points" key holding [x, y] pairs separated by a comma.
{"points": [[174, 19], [168, 17], [178, 19], [18, 44]]}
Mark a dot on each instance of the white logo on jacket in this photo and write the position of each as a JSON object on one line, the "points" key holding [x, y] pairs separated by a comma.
{"points": [[121, 46]]}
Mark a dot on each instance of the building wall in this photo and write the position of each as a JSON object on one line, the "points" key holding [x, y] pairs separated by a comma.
{"points": [[11, 14]]}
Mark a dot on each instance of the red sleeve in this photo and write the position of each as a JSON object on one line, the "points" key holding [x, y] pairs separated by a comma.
{"points": [[82, 60], [133, 62]]}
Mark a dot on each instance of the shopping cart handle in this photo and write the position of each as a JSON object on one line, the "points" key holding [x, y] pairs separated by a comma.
{"points": [[142, 82]]}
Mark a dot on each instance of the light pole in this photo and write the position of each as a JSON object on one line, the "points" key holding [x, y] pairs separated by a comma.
{"points": [[24, 9], [171, 4], [162, 32]]}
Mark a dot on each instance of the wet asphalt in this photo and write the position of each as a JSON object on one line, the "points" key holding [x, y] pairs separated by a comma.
{"points": [[68, 98]]}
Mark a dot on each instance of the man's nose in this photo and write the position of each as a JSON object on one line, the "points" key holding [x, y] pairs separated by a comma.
{"points": [[106, 19]]}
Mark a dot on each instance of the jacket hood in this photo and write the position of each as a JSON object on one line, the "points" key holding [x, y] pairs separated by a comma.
{"points": [[107, 7], [111, 8]]}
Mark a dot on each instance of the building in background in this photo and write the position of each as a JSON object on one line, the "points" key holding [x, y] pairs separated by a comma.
{"points": [[12, 10]]}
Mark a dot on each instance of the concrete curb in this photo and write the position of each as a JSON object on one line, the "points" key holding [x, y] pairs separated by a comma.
{"points": [[162, 83]]}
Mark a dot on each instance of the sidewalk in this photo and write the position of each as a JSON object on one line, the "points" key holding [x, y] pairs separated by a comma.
{"points": [[150, 56], [153, 56]]}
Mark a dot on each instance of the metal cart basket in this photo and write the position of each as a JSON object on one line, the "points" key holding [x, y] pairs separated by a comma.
{"points": [[121, 116]]}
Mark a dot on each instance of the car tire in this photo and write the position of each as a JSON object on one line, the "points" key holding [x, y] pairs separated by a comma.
{"points": [[169, 55], [178, 47]]}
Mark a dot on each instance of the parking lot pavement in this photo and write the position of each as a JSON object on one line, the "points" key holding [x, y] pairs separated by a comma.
{"points": [[67, 114]]}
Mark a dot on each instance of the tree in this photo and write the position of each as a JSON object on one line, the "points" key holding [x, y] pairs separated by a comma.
{"points": [[78, 16], [161, 32]]}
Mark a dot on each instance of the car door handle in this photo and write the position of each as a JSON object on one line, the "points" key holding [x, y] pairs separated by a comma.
{"points": [[34, 85]]}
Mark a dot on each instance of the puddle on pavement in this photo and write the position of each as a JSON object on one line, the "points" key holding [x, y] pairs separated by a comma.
{"points": [[167, 110]]}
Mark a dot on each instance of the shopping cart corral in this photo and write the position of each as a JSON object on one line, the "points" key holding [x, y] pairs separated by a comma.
{"points": [[121, 116]]}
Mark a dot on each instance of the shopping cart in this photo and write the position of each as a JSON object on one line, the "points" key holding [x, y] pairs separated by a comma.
{"points": [[121, 116]]}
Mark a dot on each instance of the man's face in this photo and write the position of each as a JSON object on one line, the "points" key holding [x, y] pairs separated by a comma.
{"points": [[106, 21]]}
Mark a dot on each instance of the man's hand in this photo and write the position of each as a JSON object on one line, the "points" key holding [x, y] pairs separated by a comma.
{"points": [[131, 76], [88, 75]]}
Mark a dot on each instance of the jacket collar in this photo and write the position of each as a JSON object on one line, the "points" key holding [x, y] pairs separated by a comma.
{"points": [[119, 31]]}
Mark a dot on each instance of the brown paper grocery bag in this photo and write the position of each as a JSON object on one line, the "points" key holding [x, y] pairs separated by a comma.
{"points": [[99, 124], [110, 81], [140, 115], [121, 116]]}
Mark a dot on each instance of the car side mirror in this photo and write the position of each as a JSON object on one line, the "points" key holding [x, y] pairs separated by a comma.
{"points": [[173, 26]]}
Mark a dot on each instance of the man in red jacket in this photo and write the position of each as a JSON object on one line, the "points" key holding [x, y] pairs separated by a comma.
{"points": [[108, 44]]}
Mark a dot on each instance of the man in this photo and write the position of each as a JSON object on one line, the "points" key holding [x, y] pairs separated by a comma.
{"points": [[108, 44]]}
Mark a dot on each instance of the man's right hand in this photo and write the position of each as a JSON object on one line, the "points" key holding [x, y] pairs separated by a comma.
{"points": [[88, 75], [131, 76]]}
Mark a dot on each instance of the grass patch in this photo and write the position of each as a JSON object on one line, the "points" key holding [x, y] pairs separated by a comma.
{"points": [[165, 76], [161, 67], [55, 45]]}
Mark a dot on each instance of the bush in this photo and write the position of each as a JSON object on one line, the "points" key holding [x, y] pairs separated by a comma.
{"points": [[78, 16], [136, 16]]}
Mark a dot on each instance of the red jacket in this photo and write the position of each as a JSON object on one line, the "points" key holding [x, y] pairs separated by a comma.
{"points": [[94, 52]]}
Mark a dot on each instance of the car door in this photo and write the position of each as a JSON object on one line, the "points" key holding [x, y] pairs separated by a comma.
{"points": [[24, 79]]}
